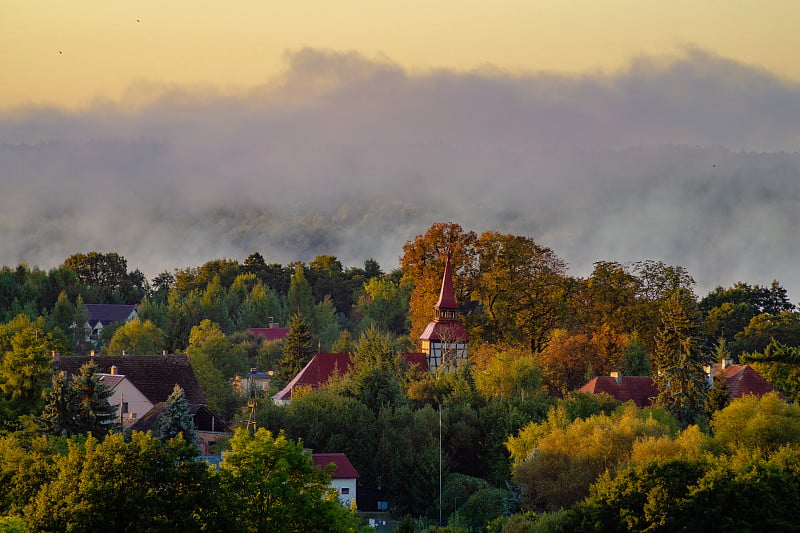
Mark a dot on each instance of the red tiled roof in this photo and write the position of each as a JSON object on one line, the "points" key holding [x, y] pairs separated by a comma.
{"points": [[270, 334], [344, 468], [640, 389], [447, 295], [322, 367], [743, 380], [447, 331]]}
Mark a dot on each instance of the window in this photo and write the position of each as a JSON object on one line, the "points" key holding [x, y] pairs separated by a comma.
{"points": [[124, 407], [345, 490]]}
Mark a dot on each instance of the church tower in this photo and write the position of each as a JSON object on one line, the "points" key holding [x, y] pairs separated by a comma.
{"points": [[444, 340]]}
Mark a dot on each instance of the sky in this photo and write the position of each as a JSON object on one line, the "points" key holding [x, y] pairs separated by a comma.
{"points": [[183, 131]]}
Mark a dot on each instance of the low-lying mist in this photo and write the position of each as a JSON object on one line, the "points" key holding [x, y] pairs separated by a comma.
{"points": [[691, 159]]}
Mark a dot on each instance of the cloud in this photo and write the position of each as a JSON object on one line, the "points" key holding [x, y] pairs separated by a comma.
{"points": [[690, 159]]}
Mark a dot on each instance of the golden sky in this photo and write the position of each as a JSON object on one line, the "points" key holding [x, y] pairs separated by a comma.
{"points": [[67, 53]]}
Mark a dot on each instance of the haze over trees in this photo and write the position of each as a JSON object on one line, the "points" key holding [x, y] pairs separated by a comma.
{"points": [[518, 447]]}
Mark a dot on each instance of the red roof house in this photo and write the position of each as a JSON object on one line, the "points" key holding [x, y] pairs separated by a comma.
{"points": [[639, 389], [740, 379], [743, 380], [343, 477]]}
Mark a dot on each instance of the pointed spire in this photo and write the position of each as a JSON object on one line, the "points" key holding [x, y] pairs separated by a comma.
{"points": [[447, 296]]}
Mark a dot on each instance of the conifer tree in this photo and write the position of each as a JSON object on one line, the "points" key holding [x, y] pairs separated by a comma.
{"points": [[177, 418], [58, 416], [94, 413], [297, 348], [679, 360], [78, 405]]}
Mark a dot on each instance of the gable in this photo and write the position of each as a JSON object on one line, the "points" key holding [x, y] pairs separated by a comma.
{"points": [[344, 468]]}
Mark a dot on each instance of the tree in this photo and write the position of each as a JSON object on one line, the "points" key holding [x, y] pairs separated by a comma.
{"points": [[25, 366], [209, 339], [93, 412], [752, 423], [509, 374], [137, 338], [300, 299], [215, 360], [108, 274], [521, 287], [81, 327], [78, 405], [279, 488], [297, 348], [635, 361], [780, 365], [384, 304], [560, 461], [177, 418], [679, 361], [136, 485]]}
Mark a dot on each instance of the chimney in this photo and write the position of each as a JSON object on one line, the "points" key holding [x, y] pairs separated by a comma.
{"points": [[124, 352], [726, 363], [164, 352], [56, 354], [709, 370], [91, 353], [272, 323], [113, 370], [617, 376]]}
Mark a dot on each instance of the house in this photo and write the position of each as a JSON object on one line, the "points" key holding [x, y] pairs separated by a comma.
{"points": [[741, 380], [323, 366], [641, 390], [101, 315], [343, 477], [254, 383], [139, 383], [444, 340], [271, 333], [209, 428]]}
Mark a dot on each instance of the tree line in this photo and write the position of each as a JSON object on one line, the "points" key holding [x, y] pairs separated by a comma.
{"points": [[536, 335]]}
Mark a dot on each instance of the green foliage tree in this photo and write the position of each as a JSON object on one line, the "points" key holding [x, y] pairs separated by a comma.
{"points": [[300, 298], [679, 360], [24, 367], [80, 329], [177, 418], [558, 461], [384, 305], [137, 338], [635, 361], [780, 365], [209, 339], [211, 356], [136, 485], [765, 423], [326, 324], [509, 375], [521, 287], [279, 488], [79, 405], [297, 348]]}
